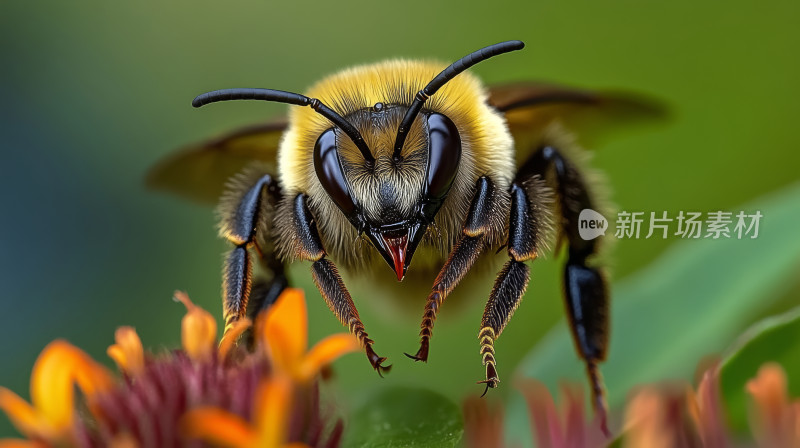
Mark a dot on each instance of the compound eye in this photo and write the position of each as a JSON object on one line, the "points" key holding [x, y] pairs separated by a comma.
{"points": [[443, 158], [330, 174]]}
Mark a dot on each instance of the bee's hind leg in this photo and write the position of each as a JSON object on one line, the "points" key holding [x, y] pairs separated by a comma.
{"points": [[585, 289]]}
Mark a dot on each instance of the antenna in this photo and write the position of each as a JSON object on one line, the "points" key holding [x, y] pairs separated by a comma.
{"points": [[280, 96], [442, 78]]}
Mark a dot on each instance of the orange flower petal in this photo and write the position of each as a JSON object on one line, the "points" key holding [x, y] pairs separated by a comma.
{"points": [[128, 352], [693, 404], [52, 385], [285, 331], [56, 370], [543, 414], [645, 421], [230, 337], [768, 389], [217, 426], [124, 440], [795, 422], [272, 411], [483, 427], [19, 443], [198, 330], [22, 415], [773, 422], [325, 352], [704, 408]]}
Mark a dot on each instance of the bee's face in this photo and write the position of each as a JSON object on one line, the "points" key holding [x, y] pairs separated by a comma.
{"points": [[392, 199]]}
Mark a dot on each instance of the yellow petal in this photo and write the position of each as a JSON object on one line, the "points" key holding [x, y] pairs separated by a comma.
{"points": [[198, 330], [218, 427], [128, 352], [284, 333], [273, 403], [230, 337], [22, 415], [57, 369], [325, 352]]}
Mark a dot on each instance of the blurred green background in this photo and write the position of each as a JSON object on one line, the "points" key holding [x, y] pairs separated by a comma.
{"points": [[94, 93]]}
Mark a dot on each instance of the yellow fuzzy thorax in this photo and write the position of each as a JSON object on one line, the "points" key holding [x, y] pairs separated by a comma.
{"points": [[487, 146]]}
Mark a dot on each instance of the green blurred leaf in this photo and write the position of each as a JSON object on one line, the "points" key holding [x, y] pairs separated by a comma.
{"points": [[775, 339], [689, 303], [405, 417]]}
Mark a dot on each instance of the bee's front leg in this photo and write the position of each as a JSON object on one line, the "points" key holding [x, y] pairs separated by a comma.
{"points": [[307, 245], [480, 228]]}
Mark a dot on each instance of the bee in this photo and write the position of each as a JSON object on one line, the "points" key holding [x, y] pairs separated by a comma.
{"points": [[423, 162]]}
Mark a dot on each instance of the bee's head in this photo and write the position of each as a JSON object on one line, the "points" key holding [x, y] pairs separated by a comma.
{"points": [[391, 184], [391, 196]]}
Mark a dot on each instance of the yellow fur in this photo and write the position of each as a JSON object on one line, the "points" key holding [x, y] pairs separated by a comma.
{"points": [[487, 150]]}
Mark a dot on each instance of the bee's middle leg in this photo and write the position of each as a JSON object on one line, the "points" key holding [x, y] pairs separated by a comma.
{"points": [[528, 221], [308, 246], [481, 225]]}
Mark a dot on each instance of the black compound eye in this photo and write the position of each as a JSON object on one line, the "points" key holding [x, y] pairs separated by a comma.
{"points": [[444, 157], [329, 172]]}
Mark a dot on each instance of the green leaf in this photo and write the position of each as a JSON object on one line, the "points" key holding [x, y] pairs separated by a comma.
{"points": [[775, 339], [405, 417], [689, 303]]}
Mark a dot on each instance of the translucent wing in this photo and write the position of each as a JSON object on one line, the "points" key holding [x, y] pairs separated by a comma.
{"points": [[199, 172], [530, 106]]}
